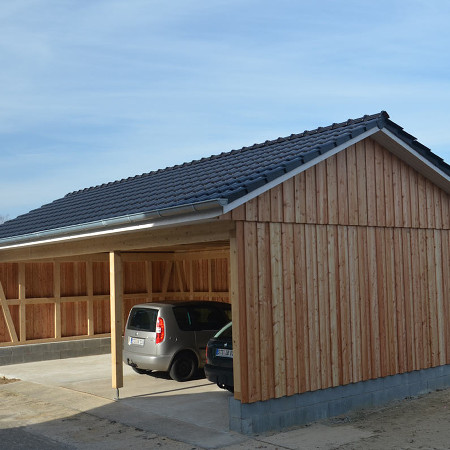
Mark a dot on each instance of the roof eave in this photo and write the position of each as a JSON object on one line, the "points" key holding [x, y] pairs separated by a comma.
{"points": [[178, 215], [411, 156]]}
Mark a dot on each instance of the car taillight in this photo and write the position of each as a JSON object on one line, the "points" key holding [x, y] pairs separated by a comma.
{"points": [[159, 330]]}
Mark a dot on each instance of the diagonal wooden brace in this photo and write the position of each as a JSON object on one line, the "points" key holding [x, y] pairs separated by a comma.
{"points": [[7, 314]]}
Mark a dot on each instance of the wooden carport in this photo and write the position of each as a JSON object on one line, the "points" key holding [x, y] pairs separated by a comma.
{"points": [[337, 267], [190, 262]]}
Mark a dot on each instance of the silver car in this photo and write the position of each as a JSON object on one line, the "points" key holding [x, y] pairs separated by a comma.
{"points": [[172, 337]]}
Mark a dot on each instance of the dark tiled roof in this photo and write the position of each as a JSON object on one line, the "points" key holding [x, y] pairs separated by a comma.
{"points": [[227, 176]]}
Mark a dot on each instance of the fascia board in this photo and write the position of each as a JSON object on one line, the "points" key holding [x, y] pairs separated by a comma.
{"points": [[410, 156]]}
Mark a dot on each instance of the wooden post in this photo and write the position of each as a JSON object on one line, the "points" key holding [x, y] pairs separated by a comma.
{"points": [[234, 297], [57, 296], [116, 298], [22, 307], [90, 293]]}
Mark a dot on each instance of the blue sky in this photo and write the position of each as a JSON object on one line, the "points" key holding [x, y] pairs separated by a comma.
{"points": [[94, 91]]}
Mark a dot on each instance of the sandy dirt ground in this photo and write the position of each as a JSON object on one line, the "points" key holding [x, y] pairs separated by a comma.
{"points": [[416, 423]]}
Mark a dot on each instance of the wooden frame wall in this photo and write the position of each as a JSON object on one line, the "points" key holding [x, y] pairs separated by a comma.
{"points": [[69, 298], [345, 276]]}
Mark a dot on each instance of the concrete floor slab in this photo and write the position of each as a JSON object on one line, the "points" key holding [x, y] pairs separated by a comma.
{"points": [[195, 411]]}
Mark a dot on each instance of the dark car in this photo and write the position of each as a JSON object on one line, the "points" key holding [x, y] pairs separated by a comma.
{"points": [[219, 356]]}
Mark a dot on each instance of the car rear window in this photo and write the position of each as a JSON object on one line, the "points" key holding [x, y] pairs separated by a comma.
{"points": [[143, 319]]}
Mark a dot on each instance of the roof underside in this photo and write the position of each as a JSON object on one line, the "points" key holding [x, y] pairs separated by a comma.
{"points": [[225, 178]]}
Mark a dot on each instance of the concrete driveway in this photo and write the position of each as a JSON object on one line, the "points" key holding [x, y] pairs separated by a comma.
{"points": [[195, 411]]}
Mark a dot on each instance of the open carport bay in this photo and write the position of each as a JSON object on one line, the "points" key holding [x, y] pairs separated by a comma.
{"points": [[195, 411]]}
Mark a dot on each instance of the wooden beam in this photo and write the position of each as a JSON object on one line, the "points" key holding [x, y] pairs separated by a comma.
{"points": [[116, 294], [131, 240], [7, 314], [22, 305], [90, 293]]}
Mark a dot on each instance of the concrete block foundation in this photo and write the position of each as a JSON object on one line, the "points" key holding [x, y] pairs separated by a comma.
{"points": [[17, 354], [300, 409]]}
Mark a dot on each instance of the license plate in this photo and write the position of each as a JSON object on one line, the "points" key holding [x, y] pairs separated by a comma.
{"points": [[135, 341], [224, 352]]}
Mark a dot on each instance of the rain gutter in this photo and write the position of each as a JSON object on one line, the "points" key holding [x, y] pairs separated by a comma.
{"points": [[130, 222]]}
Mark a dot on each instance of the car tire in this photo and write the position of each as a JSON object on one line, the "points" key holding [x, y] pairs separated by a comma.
{"points": [[183, 367], [141, 371]]}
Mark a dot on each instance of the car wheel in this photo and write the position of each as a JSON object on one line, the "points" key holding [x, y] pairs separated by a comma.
{"points": [[183, 367], [141, 371]]}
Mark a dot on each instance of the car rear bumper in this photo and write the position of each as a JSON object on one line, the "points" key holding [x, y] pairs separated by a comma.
{"points": [[219, 375], [147, 362]]}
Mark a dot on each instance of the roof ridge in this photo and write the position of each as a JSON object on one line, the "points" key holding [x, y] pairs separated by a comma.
{"points": [[381, 116]]}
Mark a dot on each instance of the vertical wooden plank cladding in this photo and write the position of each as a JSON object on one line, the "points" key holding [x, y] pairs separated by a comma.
{"points": [[417, 299], [382, 307], [276, 204], [311, 196], [265, 312], [388, 188], [264, 207], [252, 311], [414, 198], [361, 182], [353, 216], [446, 289], [371, 191], [432, 297], [440, 310], [278, 310], [429, 193], [300, 198], [355, 302], [423, 274], [287, 238], [301, 296], [251, 210], [332, 190], [445, 205], [324, 308], [39, 283], [379, 186], [288, 201], [422, 201], [375, 344], [397, 192], [407, 323], [342, 188], [344, 305], [391, 303], [437, 207], [364, 303], [405, 172], [313, 306], [321, 193], [333, 282]]}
